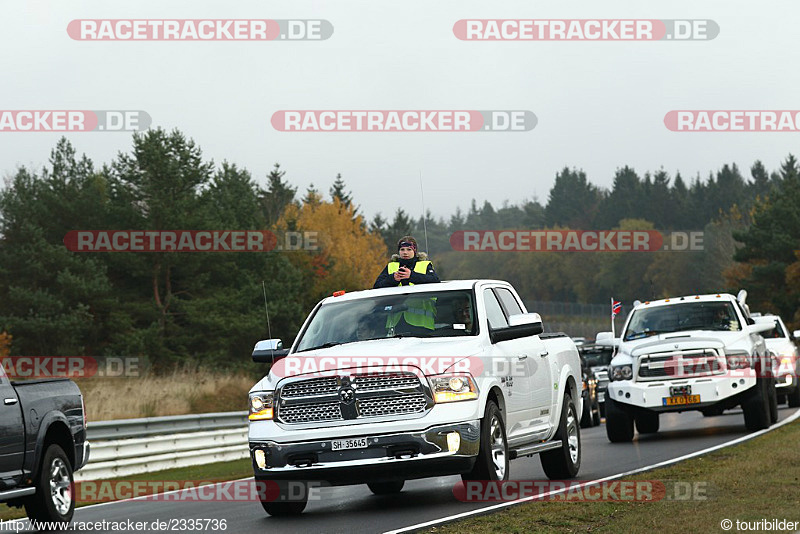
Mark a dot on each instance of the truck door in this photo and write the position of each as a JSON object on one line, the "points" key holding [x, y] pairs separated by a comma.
{"points": [[535, 367], [12, 434], [505, 358]]}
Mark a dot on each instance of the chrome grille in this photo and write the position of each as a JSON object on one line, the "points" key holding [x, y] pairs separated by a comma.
{"points": [[373, 395], [386, 381], [311, 412], [394, 405], [677, 365], [310, 388]]}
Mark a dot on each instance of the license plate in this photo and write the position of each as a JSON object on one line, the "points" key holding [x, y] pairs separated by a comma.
{"points": [[675, 391], [679, 400], [343, 444]]}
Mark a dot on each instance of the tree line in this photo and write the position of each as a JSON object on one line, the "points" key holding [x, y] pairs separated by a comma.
{"points": [[208, 308]]}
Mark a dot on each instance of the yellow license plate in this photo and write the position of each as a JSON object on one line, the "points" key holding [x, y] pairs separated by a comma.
{"points": [[679, 400]]}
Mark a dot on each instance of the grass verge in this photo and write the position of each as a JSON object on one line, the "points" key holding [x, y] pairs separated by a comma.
{"points": [[218, 472], [756, 480]]}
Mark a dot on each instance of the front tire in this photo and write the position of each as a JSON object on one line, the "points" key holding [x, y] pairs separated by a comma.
{"points": [[619, 423], [286, 503], [756, 407], [564, 462], [54, 500], [492, 461]]}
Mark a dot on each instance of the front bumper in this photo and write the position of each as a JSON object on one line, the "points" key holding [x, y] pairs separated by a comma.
{"points": [[653, 395], [401, 456]]}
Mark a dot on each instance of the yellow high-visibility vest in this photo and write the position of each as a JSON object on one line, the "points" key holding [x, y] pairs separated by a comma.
{"points": [[421, 267], [421, 311]]}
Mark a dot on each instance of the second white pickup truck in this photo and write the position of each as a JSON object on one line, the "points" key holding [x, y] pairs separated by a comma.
{"points": [[386, 385], [699, 352]]}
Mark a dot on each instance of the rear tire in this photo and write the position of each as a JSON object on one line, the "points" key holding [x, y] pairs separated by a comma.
{"points": [[712, 411], [492, 461], [386, 488], [619, 423], [596, 414], [54, 500], [793, 397], [646, 422], [564, 462], [587, 421]]}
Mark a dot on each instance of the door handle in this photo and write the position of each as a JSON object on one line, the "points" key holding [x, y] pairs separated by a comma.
{"points": [[522, 357], [9, 402], [543, 353]]}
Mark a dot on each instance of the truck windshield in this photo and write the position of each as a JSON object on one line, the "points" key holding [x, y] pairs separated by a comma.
{"points": [[433, 314], [686, 316]]}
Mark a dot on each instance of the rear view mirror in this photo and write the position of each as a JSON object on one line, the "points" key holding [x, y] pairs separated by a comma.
{"points": [[796, 334]]}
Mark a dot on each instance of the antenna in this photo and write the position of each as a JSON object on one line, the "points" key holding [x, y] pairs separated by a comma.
{"points": [[266, 312], [424, 215]]}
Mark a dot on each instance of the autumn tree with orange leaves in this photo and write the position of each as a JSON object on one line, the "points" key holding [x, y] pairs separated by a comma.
{"points": [[342, 254]]}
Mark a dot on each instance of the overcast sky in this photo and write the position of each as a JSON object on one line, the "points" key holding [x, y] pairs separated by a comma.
{"points": [[600, 105]]}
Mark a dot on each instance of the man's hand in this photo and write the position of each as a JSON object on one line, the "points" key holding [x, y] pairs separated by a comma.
{"points": [[403, 273]]}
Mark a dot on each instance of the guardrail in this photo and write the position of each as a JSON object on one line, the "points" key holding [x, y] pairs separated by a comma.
{"points": [[133, 446]]}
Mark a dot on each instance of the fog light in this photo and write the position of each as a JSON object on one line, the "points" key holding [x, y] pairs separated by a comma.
{"points": [[261, 458], [453, 441]]}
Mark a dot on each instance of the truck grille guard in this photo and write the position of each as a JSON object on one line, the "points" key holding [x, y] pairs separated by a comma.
{"points": [[676, 365]]}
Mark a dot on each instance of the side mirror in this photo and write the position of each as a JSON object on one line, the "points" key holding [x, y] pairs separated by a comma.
{"points": [[604, 339], [519, 325], [758, 328], [269, 351], [796, 334]]}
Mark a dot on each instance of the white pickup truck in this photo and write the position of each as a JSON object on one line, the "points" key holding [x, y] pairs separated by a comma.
{"points": [[785, 351], [699, 352], [387, 385]]}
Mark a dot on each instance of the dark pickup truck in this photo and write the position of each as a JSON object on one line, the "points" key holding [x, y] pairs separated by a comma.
{"points": [[42, 442]]}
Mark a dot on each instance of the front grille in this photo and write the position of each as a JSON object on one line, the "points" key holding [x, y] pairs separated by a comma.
{"points": [[310, 412], [364, 396], [386, 381], [677, 365], [309, 388], [396, 405]]}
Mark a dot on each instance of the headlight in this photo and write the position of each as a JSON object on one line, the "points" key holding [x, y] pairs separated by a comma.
{"points": [[261, 406], [621, 372], [452, 388], [737, 359]]}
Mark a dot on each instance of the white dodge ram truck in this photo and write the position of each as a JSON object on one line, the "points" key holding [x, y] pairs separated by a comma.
{"points": [[700, 352], [386, 385]]}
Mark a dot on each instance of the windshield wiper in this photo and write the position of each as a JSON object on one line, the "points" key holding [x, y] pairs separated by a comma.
{"points": [[640, 335], [323, 346]]}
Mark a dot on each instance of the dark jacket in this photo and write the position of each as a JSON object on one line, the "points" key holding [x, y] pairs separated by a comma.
{"points": [[387, 280]]}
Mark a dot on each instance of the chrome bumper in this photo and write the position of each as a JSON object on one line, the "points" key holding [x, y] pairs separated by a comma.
{"points": [[384, 452]]}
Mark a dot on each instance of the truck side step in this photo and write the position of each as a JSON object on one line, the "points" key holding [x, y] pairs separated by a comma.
{"points": [[530, 450]]}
